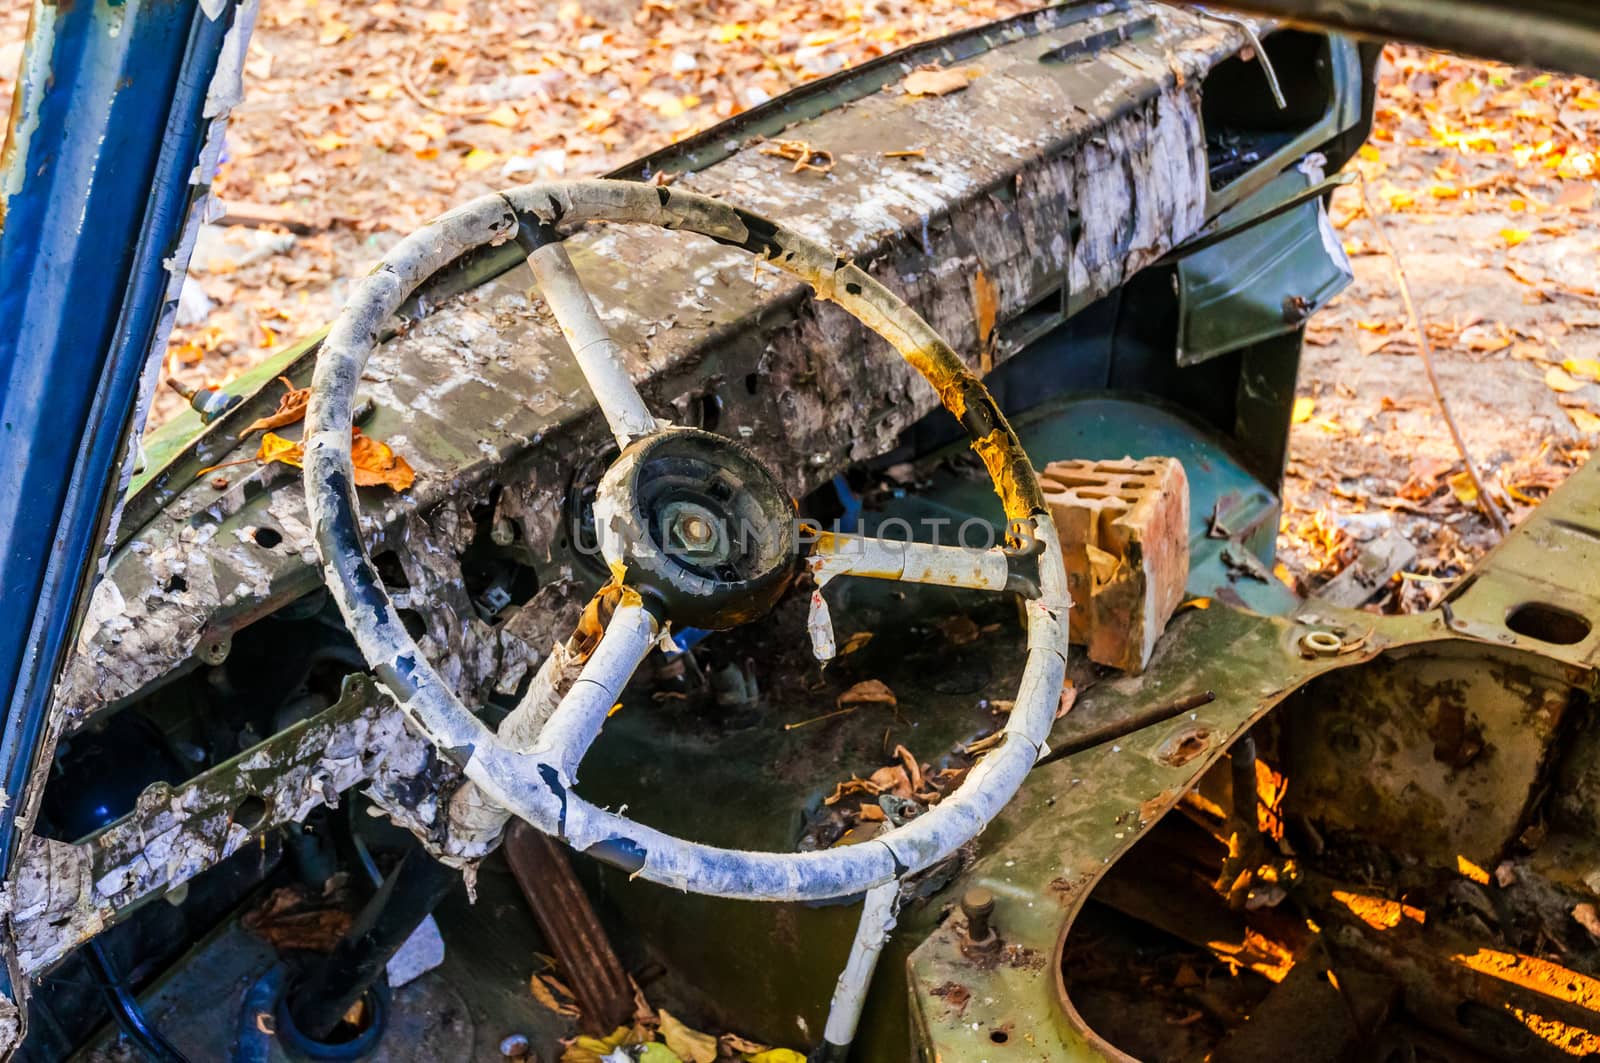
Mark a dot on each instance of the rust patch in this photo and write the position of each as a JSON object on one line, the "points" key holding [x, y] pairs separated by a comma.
{"points": [[953, 994], [1457, 741], [1184, 746]]}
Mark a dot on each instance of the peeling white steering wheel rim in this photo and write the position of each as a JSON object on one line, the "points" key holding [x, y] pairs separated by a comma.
{"points": [[523, 783]]}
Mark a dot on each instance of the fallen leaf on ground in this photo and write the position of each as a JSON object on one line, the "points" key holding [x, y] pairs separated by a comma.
{"points": [[291, 409], [855, 642], [936, 80], [892, 779], [733, 1043], [1303, 408], [1558, 379], [1584, 420], [588, 1049], [1582, 368], [691, 1045], [1513, 237], [776, 1055], [868, 692], [913, 769], [802, 154], [1462, 487]]}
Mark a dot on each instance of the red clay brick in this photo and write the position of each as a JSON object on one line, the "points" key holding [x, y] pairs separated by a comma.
{"points": [[1124, 528]]}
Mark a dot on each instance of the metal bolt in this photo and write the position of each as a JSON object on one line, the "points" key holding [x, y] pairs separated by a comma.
{"points": [[696, 531], [977, 904]]}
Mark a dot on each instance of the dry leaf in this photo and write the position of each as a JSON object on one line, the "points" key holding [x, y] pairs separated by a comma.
{"points": [[1303, 408], [892, 779], [554, 994], [376, 464], [291, 409], [690, 1045], [1513, 237], [1557, 379], [1584, 420], [776, 1055], [867, 692], [934, 80]]}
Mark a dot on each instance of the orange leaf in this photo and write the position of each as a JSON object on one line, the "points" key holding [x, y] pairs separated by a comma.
{"points": [[291, 409], [376, 464]]}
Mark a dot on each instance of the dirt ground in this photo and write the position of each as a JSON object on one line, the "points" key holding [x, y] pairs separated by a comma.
{"points": [[362, 120], [1483, 177]]}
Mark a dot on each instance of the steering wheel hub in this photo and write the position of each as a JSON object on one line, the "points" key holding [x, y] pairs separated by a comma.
{"points": [[698, 526]]}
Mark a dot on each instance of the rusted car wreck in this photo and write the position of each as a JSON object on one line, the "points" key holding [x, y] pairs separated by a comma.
{"points": [[312, 738]]}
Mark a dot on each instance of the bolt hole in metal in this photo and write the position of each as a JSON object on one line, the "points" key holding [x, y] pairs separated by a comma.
{"points": [[251, 812], [1548, 623], [999, 1037], [267, 538]]}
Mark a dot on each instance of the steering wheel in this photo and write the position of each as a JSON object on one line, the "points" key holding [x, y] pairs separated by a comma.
{"points": [[696, 531]]}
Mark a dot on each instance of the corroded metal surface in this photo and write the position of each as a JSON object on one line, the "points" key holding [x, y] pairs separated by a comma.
{"points": [[1073, 819]]}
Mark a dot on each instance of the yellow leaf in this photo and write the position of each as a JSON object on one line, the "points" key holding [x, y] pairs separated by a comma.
{"points": [[692, 1045], [1461, 486], [276, 448], [776, 1055], [594, 1049], [1303, 407], [504, 116], [728, 32], [1583, 420], [553, 994], [329, 141], [1370, 152], [478, 159], [1443, 191], [1513, 237], [1557, 379], [1583, 368]]}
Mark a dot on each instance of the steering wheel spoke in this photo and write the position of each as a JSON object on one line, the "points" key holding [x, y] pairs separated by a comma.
{"points": [[599, 356], [835, 554], [574, 725]]}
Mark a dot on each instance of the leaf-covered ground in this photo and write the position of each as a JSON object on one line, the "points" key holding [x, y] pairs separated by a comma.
{"points": [[1483, 176], [363, 120]]}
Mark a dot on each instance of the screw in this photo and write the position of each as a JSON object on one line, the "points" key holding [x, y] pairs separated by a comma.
{"points": [[977, 904]]}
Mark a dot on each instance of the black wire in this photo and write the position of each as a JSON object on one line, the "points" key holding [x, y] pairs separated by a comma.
{"points": [[129, 1016]]}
